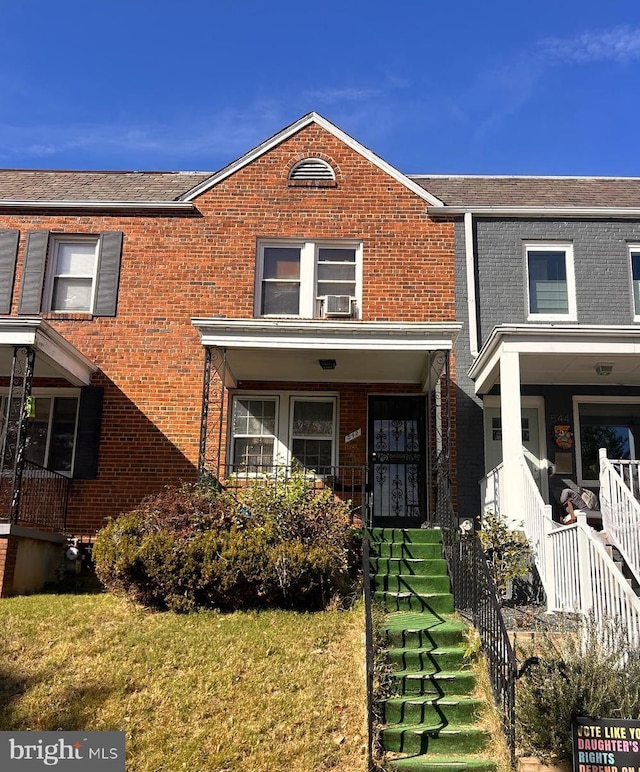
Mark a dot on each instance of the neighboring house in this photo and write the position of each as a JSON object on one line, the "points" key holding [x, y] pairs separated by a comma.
{"points": [[295, 308], [548, 361]]}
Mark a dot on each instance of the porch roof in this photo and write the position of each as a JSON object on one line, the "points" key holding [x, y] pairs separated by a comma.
{"points": [[561, 354], [364, 352], [55, 356]]}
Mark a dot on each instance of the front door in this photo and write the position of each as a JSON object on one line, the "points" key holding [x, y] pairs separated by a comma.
{"points": [[397, 457], [533, 445]]}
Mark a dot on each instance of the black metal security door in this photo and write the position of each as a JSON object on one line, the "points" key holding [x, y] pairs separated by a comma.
{"points": [[397, 457]]}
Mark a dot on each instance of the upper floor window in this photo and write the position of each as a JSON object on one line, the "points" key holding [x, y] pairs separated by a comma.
{"points": [[634, 251], [550, 281], [72, 278], [71, 273], [309, 279]]}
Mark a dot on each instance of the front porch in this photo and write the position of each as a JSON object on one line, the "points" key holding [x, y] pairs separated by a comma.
{"points": [[363, 407], [559, 400], [33, 498]]}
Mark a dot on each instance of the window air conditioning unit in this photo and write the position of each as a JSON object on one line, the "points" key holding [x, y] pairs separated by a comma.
{"points": [[337, 305]]}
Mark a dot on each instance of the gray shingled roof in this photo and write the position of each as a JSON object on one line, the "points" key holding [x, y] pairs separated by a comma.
{"points": [[458, 190], [611, 192], [40, 185]]}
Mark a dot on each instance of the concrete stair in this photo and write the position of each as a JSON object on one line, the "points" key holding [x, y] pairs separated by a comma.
{"points": [[430, 721]]}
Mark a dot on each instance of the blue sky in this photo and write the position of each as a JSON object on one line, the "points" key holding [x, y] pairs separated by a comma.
{"points": [[460, 87]]}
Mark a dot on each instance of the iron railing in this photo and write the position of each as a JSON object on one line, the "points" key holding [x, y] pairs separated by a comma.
{"points": [[476, 597], [40, 502], [347, 483], [369, 648]]}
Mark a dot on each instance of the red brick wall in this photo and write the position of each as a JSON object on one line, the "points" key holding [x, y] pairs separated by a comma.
{"points": [[8, 555], [178, 267]]}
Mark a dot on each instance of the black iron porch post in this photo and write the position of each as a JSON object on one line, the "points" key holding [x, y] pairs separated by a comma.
{"points": [[215, 360], [204, 414], [14, 435]]}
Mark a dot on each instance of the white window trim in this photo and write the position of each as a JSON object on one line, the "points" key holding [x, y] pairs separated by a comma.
{"points": [[50, 394], [52, 260], [308, 274], [577, 443], [553, 246], [284, 421], [633, 249]]}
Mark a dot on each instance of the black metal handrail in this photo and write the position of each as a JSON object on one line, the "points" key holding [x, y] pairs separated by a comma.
{"points": [[348, 483], [42, 498], [475, 596]]}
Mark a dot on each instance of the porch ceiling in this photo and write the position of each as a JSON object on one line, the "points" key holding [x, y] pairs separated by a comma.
{"points": [[364, 352], [55, 356], [561, 354]]}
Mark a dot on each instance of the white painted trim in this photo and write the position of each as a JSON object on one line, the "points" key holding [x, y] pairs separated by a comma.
{"points": [[288, 132], [554, 338], [551, 246], [52, 347], [493, 401], [321, 334], [284, 400], [534, 211], [470, 259], [53, 252], [579, 399], [308, 275]]}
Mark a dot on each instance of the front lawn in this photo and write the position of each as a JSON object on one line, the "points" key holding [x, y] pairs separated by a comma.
{"points": [[205, 692]]}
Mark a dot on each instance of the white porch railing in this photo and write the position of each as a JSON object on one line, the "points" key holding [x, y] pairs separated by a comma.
{"points": [[576, 571], [619, 492]]}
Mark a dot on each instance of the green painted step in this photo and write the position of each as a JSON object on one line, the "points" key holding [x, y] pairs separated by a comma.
{"points": [[435, 738], [438, 684], [422, 630], [432, 712], [435, 763], [411, 566], [427, 658], [405, 582], [423, 550], [412, 535], [421, 709], [440, 603]]}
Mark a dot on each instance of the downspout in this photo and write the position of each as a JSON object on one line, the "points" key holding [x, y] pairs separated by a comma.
{"points": [[470, 260]]}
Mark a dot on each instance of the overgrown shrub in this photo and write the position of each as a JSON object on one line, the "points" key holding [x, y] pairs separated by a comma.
{"points": [[588, 673], [284, 545], [508, 552]]}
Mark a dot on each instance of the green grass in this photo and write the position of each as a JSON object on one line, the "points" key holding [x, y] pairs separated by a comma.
{"points": [[205, 692]]}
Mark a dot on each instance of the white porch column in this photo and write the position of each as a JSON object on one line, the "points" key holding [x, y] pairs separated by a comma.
{"points": [[511, 420]]}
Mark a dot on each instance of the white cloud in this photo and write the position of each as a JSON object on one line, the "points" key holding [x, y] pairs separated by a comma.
{"points": [[618, 44], [340, 94]]}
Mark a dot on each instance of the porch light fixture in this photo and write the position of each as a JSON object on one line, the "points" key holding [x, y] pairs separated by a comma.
{"points": [[604, 368], [327, 364], [466, 527]]}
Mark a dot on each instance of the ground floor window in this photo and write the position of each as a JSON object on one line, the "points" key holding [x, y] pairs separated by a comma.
{"points": [[269, 430], [604, 422], [51, 429]]}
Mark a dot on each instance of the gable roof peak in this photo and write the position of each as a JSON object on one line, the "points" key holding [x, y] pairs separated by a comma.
{"points": [[289, 131]]}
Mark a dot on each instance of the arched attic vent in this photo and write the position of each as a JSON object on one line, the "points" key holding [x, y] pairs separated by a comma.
{"points": [[312, 170]]}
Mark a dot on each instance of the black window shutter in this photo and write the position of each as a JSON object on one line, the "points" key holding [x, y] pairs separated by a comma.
{"points": [[108, 273], [35, 260], [8, 253], [88, 438]]}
